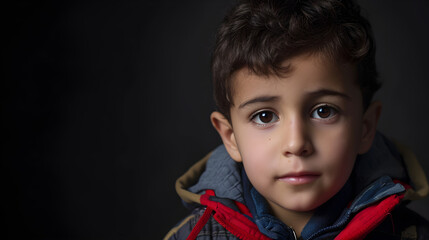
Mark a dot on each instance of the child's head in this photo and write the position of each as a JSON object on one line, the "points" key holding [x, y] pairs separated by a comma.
{"points": [[261, 35], [293, 84]]}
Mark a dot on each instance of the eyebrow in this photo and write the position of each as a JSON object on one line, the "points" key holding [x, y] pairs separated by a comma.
{"points": [[328, 92], [261, 99], [318, 93]]}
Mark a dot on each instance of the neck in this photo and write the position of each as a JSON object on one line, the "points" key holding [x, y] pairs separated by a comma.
{"points": [[294, 219]]}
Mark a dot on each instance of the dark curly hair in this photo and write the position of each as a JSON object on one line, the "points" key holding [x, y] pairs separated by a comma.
{"points": [[261, 34]]}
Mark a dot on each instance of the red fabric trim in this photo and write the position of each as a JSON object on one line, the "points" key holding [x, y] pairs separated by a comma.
{"points": [[233, 221], [239, 225], [243, 209], [236, 226], [203, 220], [200, 224], [369, 218]]}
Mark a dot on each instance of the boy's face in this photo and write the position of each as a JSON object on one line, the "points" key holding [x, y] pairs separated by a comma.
{"points": [[298, 136]]}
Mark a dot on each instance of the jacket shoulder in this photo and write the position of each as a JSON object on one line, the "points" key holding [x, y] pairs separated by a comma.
{"points": [[211, 230], [409, 222], [402, 223]]}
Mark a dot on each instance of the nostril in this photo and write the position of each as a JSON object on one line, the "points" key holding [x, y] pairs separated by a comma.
{"points": [[298, 145], [288, 154]]}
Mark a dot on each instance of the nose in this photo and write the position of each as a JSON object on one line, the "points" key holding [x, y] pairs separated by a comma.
{"points": [[297, 138]]}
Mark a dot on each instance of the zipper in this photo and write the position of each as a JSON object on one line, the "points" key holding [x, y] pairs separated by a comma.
{"points": [[294, 233]]}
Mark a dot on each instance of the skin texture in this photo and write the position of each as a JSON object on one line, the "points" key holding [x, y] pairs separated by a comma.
{"points": [[298, 135]]}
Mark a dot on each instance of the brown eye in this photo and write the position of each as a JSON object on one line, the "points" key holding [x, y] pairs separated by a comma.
{"points": [[265, 117], [323, 112]]}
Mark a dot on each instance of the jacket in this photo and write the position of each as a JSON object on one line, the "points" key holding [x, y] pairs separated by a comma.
{"points": [[371, 205]]}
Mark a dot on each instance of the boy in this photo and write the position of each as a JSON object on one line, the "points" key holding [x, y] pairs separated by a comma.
{"points": [[301, 157]]}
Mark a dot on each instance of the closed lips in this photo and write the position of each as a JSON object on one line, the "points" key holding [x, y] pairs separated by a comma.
{"points": [[299, 177]]}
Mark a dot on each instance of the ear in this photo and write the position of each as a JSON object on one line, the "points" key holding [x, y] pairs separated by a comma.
{"points": [[370, 120], [224, 128]]}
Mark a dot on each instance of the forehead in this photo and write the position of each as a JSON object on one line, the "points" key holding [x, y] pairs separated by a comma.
{"points": [[305, 73]]}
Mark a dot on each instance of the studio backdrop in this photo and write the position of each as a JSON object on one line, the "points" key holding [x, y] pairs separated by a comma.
{"points": [[105, 104]]}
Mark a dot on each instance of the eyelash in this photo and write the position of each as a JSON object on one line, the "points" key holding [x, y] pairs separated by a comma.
{"points": [[333, 113], [254, 116]]}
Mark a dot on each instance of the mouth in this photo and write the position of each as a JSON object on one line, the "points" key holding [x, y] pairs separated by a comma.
{"points": [[299, 178]]}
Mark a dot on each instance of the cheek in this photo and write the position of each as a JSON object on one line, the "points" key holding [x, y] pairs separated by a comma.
{"points": [[257, 151], [339, 153], [253, 143], [254, 155]]}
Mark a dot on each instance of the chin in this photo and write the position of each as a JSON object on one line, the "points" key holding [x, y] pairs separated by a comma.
{"points": [[304, 206]]}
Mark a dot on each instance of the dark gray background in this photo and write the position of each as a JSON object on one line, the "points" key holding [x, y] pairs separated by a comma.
{"points": [[105, 104]]}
